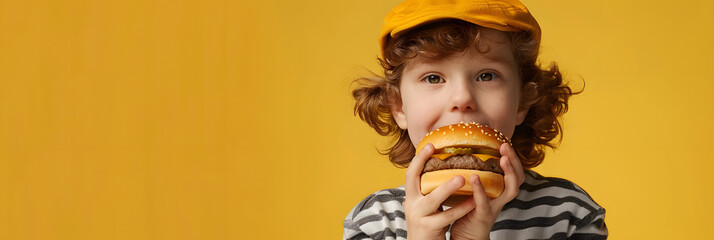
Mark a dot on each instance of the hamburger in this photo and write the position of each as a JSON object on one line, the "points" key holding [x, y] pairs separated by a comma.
{"points": [[463, 149]]}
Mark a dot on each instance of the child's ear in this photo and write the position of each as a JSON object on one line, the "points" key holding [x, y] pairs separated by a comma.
{"points": [[398, 113], [528, 96]]}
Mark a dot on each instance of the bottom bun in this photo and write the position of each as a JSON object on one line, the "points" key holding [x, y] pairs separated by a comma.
{"points": [[492, 183]]}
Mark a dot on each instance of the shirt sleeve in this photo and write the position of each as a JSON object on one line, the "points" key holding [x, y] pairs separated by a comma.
{"points": [[592, 227], [379, 216]]}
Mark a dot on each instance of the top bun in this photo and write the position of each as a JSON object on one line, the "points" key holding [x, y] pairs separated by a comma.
{"points": [[464, 135]]}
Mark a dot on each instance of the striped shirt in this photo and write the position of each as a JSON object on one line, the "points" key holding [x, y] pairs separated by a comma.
{"points": [[545, 208]]}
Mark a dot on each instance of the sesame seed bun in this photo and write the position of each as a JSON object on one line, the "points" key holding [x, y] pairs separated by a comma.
{"points": [[480, 137], [463, 134]]}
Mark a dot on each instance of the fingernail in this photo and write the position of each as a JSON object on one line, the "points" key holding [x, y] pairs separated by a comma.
{"points": [[475, 179], [455, 180]]}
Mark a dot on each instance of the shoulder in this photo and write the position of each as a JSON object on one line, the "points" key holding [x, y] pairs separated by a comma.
{"points": [[540, 187], [549, 207], [379, 216]]}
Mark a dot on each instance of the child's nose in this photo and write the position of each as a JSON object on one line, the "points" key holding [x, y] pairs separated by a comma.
{"points": [[462, 99]]}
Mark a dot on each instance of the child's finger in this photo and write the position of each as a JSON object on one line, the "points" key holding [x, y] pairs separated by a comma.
{"points": [[480, 197], [434, 199], [512, 183], [454, 213], [507, 150], [413, 173]]}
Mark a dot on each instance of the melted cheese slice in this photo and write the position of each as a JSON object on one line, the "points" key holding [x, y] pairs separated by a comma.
{"points": [[444, 156]]}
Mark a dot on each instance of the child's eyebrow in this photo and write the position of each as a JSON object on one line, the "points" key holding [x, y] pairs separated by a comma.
{"points": [[422, 64], [493, 55], [419, 63], [496, 58], [503, 60]]}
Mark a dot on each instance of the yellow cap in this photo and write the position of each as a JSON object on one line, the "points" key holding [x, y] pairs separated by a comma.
{"points": [[503, 15]]}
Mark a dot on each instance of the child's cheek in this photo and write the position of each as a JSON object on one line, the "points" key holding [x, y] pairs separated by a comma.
{"points": [[427, 118]]}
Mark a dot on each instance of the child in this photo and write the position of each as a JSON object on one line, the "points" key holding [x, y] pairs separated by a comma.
{"points": [[447, 62]]}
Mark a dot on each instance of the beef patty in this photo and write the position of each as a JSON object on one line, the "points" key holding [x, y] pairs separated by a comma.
{"points": [[463, 161]]}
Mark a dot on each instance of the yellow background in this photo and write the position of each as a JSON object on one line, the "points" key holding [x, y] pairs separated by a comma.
{"points": [[233, 119]]}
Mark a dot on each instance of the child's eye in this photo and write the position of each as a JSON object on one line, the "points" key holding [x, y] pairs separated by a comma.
{"points": [[433, 79], [486, 77]]}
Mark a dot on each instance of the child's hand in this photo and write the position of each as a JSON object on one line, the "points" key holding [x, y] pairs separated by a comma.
{"points": [[477, 224], [425, 218]]}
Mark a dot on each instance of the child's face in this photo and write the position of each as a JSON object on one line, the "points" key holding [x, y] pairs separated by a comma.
{"points": [[470, 86]]}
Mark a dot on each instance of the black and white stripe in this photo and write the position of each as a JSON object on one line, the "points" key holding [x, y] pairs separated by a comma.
{"points": [[379, 216], [546, 208]]}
